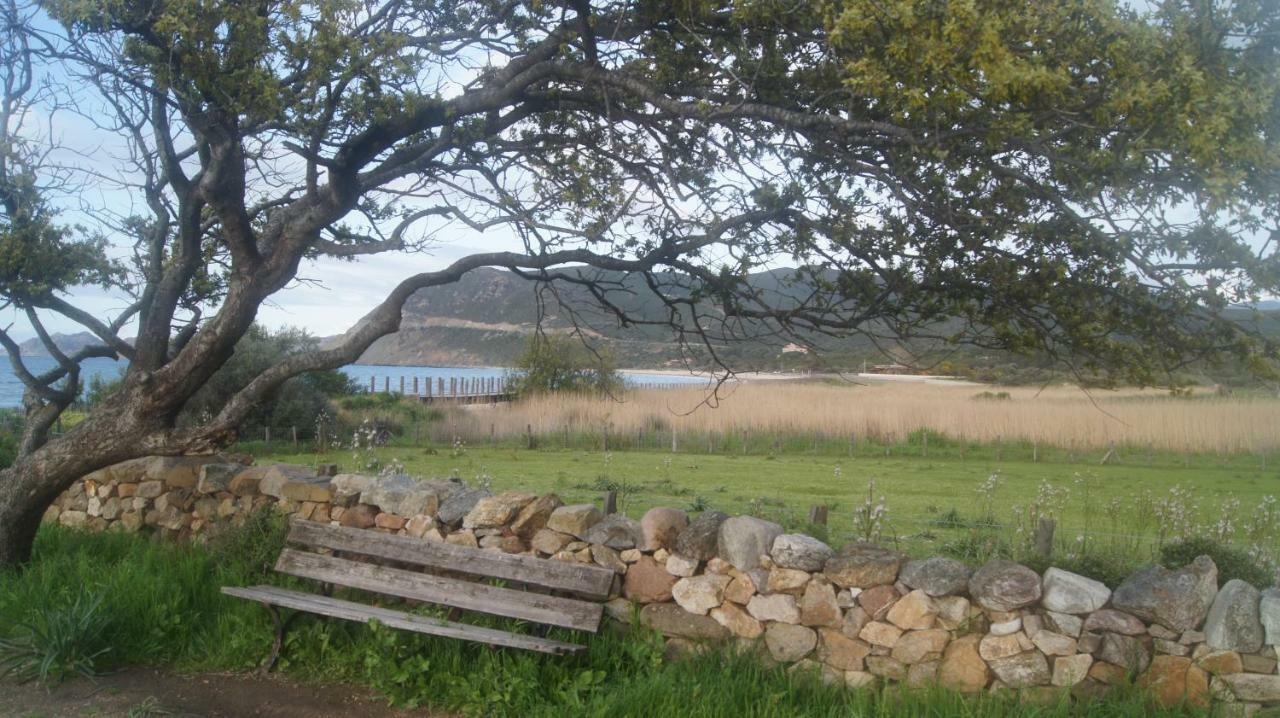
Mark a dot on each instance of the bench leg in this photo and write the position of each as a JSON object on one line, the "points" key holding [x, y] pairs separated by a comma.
{"points": [[277, 645]]}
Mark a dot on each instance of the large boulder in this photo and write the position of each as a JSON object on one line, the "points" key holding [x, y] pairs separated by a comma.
{"points": [[1004, 586], [937, 576], [273, 478], [675, 622], [496, 511], [1234, 623], [1174, 680], [1253, 687], [616, 531], [1022, 670], [700, 594], [800, 552], [698, 540], [742, 540], [574, 519], [1178, 599], [962, 669], [863, 565], [533, 517], [1269, 613], [788, 643], [406, 495], [1067, 592], [659, 528], [1127, 651], [216, 477]]}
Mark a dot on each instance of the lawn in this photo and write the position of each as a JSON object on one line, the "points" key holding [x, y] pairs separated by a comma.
{"points": [[931, 500]]}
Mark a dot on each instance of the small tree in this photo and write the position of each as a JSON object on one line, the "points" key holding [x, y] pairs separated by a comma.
{"points": [[563, 363]]}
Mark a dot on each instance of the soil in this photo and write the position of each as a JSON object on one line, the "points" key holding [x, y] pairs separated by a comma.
{"points": [[152, 693]]}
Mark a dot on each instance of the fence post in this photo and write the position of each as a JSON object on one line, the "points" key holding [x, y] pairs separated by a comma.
{"points": [[373, 384], [294, 429], [610, 502], [818, 515], [925, 436], [528, 432], [1044, 537], [673, 438], [415, 386], [266, 435], [1035, 451]]}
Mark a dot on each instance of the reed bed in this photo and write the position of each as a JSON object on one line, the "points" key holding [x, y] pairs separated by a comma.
{"points": [[1059, 416]]}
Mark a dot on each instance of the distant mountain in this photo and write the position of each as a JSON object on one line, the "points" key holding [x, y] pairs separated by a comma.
{"points": [[67, 343]]}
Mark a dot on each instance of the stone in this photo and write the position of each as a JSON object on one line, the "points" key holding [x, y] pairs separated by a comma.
{"points": [[743, 539], [419, 525], [877, 600], [615, 531], [630, 556], [1179, 599], [673, 621], [360, 516], [854, 619], [149, 489], [788, 643], [1253, 687], [601, 556], [73, 519], [962, 668], [886, 667], [864, 565], [859, 679], [1054, 644], [801, 552], [111, 508], [451, 511], [464, 537], [953, 611], [247, 482], [715, 564], [216, 477], [574, 519], [549, 542], [1171, 648], [1109, 619], [778, 607], [391, 522], [937, 576], [740, 589], [879, 633], [786, 580], [534, 516], [1004, 586], [914, 611], [1023, 670], [496, 511], [699, 539], [678, 565], [818, 605], [1124, 651], [1005, 628], [1067, 592], [737, 620], [994, 647], [1070, 670], [1173, 680], [344, 485], [177, 472], [647, 582], [1108, 673], [620, 609], [1064, 623], [840, 651], [1089, 642], [659, 528], [1254, 663], [919, 646], [1158, 631], [273, 478], [1269, 615], [700, 594], [131, 521], [1234, 623]]}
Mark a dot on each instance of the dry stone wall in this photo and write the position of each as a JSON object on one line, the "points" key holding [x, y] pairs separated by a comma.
{"points": [[859, 615]]}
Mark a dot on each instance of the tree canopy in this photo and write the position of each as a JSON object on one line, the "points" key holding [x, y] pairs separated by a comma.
{"points": [[1079, 178]]}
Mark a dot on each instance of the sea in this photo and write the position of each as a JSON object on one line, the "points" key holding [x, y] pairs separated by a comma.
{"points": [[383, 375]]}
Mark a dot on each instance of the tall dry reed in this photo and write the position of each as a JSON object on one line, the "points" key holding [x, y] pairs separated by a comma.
{"points": [[1056, 416]]}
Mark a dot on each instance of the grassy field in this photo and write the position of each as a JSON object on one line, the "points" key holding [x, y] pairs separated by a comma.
{"points": [[127, 600], [931, 501]]}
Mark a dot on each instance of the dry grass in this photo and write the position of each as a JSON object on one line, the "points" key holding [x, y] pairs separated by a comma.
{"points": [[1056, 416]]}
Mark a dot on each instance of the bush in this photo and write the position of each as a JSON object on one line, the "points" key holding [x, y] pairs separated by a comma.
{"points": [[563, 363], [1231, 561], [55, 642], [1109, 568]]}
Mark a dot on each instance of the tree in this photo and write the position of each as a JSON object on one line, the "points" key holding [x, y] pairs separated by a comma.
{"points": [[1072, 177], [563, 363]]}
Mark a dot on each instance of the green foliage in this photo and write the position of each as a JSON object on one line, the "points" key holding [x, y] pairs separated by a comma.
{"points": [[56, 641], [563, 363], [1231, 561], [10, 431], [296, 403]]}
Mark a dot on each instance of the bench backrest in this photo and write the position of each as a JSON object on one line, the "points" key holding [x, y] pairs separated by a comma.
{"points": [[582, 580]]}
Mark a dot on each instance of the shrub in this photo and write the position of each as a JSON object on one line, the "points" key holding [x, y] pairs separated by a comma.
{"points": [[1109, 568], [1232, 562], [563, 363], [56, 642]]}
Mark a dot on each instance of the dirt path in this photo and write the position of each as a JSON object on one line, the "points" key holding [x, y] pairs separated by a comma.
{"points": [[151, 693]]}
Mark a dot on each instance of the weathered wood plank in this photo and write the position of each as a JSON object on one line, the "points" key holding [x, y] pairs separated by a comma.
{"points": [[361, 613], [582, 579], [551, 610]]}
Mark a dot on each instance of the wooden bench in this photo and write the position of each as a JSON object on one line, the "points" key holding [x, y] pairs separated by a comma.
{"points": [[371, 561]]}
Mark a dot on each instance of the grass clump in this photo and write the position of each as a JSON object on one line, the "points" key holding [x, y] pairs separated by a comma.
{"points": [[1232, 562], [56, 641]]}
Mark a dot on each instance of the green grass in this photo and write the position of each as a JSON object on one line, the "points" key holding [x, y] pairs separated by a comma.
{"points": [[165, 609], [934, 502]]}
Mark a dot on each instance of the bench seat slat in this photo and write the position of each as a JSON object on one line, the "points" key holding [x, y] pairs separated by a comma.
{"points": [[550, 610], [361, 613], [581, 579]]}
